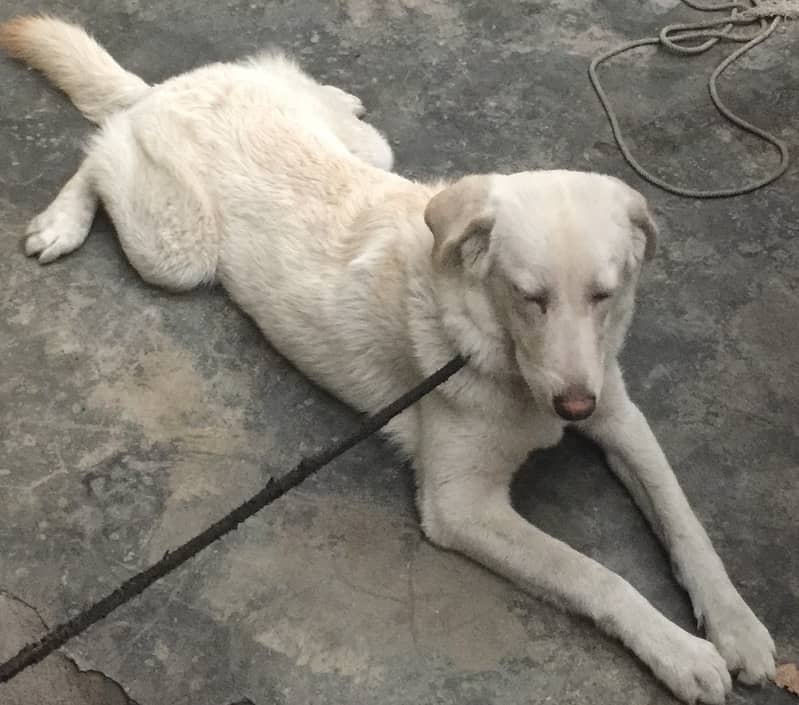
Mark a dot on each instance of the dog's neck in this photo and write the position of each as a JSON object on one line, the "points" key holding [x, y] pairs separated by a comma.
{"points": [[472, 329]]}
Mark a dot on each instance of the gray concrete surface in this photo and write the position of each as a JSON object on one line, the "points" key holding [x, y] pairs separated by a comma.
{"points": [[129, 418]]}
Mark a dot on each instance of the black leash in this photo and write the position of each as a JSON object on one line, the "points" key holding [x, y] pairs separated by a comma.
{"points": [[34, 652]]}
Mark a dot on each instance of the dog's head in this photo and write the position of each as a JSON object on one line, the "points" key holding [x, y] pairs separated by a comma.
{"points": [[550, 260]]}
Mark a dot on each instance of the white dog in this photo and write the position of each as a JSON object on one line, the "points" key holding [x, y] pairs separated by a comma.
{"points": [[253, 175]]}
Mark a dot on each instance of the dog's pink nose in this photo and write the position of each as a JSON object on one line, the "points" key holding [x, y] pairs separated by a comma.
{"points": [[575, 404]]}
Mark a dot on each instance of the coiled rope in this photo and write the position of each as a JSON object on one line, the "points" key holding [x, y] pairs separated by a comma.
{"points": [[681, 39]]}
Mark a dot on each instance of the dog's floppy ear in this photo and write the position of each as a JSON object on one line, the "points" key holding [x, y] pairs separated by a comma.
{"points": [[461, 219], [644, 229], [643, 224]]}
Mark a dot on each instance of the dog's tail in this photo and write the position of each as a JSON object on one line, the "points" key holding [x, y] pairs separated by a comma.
{"points": [[76, 63]]}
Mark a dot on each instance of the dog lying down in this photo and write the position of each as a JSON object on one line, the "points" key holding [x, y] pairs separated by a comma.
{"points": [[254, 175]]}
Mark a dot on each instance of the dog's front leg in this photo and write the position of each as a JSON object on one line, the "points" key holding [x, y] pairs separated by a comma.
{"points": [[464, 501], [636, 458]]}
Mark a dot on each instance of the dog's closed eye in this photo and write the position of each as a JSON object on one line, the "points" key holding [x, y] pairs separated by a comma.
{"points": [[598, 297], [539, 298]]}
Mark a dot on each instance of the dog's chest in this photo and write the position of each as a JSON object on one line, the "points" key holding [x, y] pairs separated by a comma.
{"points": [[508, 408], [532, 427], [547, 432]]}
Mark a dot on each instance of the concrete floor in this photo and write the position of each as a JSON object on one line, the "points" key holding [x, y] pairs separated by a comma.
{"points": [[129, 419]]}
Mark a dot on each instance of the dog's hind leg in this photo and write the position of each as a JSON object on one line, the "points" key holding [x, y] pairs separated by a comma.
{"points": [[64, 226], [361, 138], [165, 224], [364, 141], [165, 227]]}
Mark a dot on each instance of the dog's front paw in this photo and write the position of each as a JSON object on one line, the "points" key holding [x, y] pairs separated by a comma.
{"points": [[742, 640], [690, 667]]}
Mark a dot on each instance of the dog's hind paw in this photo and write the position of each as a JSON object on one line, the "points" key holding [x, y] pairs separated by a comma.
{"points": [[57, 232], [351, 103]]}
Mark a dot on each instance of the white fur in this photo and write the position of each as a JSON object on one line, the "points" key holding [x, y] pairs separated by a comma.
{"points": [[254, 175]]}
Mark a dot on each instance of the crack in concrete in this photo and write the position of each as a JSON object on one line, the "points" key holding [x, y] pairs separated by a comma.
{"points": [[55, 681], [58, 680]]}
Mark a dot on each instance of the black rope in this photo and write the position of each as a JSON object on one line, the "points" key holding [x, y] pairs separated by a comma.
{"points": [[274, 489]]}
